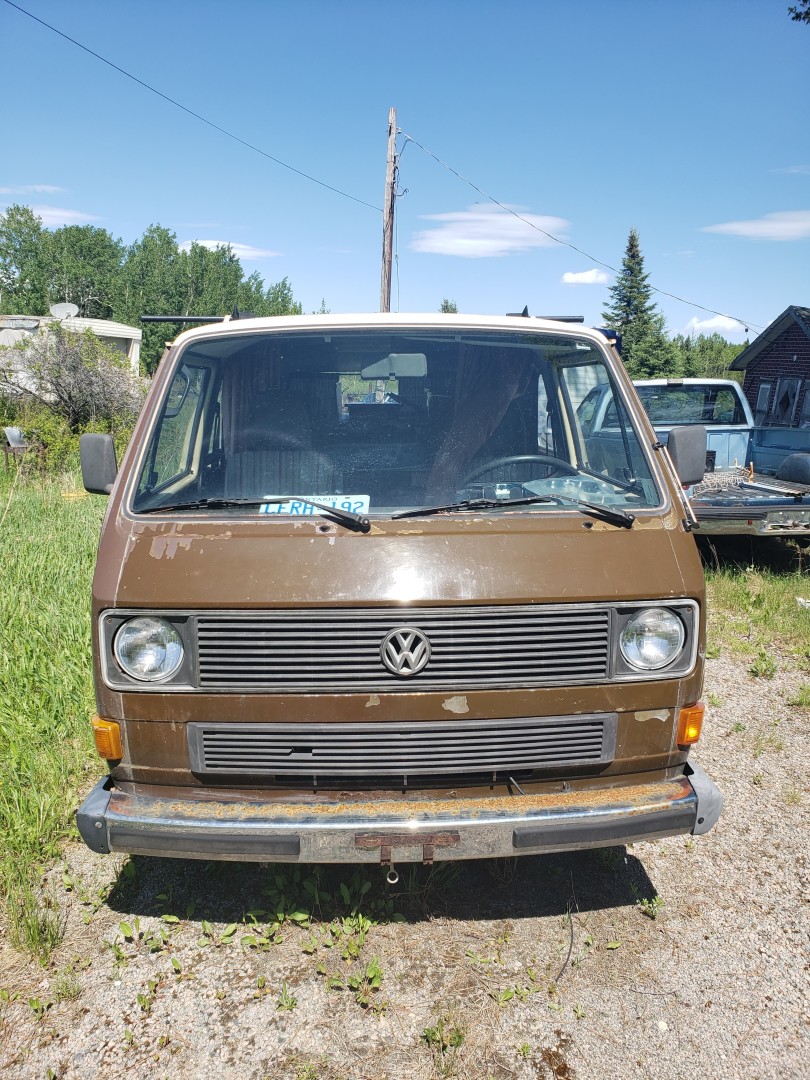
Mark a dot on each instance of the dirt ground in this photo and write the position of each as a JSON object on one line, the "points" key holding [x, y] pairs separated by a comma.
{"points": [[679, 956]]}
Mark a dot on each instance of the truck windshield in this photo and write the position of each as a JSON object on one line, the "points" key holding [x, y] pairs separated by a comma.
{"points": [[383, 421]]}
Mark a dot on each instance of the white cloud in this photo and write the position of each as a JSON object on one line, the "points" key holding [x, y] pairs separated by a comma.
{"points": [[717, 324], [243, 252], [794, 170], [585, 277], [485, 232], [785, 225], [53, 216], [30, 189]]}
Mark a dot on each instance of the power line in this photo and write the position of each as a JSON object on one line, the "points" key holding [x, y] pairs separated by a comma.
{"points": [[191, 112], [557, 240]]}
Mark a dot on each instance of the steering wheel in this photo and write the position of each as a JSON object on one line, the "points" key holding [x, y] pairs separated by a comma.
{"points": [[515, 459]]}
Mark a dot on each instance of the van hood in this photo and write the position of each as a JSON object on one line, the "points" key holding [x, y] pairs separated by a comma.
{"points": [[313, 563]]}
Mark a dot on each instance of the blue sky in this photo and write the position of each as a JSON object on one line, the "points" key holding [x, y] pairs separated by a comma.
{"points": [[684, 120]]}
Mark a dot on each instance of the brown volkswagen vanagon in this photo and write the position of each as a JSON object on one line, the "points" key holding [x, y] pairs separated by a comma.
{"points": [[369, 591]]}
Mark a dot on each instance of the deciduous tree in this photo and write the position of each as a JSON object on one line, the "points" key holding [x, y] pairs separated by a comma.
{"points": [[23, 278], [84, 268], [707, 356]]}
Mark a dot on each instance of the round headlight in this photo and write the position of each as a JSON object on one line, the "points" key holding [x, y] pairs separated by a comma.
{"points": [[652, 639], [148, 649]]}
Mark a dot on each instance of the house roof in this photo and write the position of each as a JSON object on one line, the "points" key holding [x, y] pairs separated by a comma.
{"points": [[800, 315], [101, 327]]}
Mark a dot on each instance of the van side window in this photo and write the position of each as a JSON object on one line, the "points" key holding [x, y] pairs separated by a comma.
{"points": [[173, 447]]}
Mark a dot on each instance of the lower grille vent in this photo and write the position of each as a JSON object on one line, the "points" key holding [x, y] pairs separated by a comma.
{"points": [[406, 749]]}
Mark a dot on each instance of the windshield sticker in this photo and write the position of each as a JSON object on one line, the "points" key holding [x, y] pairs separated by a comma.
{"points": [[302, 506]]}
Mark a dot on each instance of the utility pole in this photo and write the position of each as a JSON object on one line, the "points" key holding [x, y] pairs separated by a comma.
{"points": [[388, 211]]}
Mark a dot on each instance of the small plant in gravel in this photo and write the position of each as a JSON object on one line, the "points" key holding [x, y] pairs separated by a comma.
{"points": [[512, 993], [763, 666], [211, 937], [651, 906], [793, 795], [38, 1007], [443, 1039], [146, 998], [714, 700], [801, 699], [366, 983], [66, 984], [287, 1001], [769, 741], [131, 932], [588, 943]]}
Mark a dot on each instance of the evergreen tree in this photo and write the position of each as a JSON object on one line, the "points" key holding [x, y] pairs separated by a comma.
{"points": [[646, 350], [448, 307]]}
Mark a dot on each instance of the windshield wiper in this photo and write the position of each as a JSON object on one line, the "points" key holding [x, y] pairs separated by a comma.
{"points": [[473, 504], [335, 513], [612, 515]]}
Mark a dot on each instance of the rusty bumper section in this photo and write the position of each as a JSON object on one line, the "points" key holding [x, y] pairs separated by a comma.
{"points": [[111, 820]]}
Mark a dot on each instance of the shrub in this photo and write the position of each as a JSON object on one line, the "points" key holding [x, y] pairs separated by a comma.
{"points": [[79, 378]]}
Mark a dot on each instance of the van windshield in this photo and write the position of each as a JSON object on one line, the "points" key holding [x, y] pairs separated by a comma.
{"points": [[382, 421]]}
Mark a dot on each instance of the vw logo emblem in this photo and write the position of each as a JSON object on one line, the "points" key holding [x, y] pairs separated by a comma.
{"points": [[405, 651]]}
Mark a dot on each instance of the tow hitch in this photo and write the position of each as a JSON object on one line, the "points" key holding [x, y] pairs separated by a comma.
{"points": [[386, 842]]}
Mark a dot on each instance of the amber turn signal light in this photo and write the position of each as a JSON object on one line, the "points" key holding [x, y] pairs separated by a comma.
{"points": [[690, 721], [108, 739]]}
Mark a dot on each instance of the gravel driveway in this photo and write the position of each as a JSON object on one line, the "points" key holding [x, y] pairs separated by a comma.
{"points": [[664, 959]]}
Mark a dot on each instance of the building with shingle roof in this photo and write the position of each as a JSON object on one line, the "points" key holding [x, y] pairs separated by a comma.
{"points": [[777, 370]]}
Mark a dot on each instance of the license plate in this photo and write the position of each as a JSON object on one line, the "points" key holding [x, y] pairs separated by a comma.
{"points": [[357, 504]]}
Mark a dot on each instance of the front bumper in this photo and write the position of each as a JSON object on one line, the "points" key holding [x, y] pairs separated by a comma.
{"points": [[389, 832]]}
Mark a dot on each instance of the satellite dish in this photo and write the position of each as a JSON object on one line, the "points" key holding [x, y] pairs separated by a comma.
{"points": [[64, 311]]}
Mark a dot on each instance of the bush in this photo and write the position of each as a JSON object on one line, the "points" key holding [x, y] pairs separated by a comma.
{"points": [[76, 376]]}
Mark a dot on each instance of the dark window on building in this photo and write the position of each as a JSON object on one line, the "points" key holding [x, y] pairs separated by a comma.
{"points": [[804, 412], [763, 397], [785, 401]]}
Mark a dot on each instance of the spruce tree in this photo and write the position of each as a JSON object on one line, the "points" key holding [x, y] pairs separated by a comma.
{"points": [[646, 350]]}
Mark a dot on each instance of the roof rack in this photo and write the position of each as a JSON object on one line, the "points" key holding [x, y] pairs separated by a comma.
{"points": [[235, 314], [553, 318]]}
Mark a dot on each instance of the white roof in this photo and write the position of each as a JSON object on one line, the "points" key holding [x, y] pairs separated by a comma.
{"points": [[101, 327]]}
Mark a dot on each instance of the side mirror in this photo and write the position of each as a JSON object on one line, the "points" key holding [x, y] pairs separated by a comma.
{"points": [[687, 449], [99, 467]]}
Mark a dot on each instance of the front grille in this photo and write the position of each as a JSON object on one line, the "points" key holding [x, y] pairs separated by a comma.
{"points": [[471, 647], [447, 747]]}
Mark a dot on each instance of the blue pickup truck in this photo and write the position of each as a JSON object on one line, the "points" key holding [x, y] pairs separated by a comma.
{"points": [[757, 479]]}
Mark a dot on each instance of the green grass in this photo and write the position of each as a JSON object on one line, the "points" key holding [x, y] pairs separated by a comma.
{"points": [[753, 613], [47, 552]]}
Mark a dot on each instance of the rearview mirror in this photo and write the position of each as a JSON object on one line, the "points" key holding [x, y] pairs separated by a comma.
{"points": [[397, 366]]}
